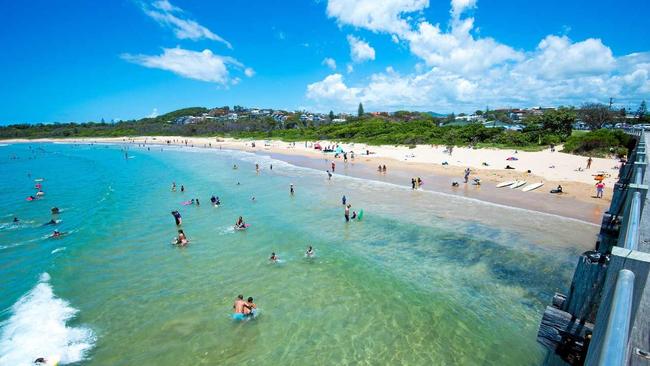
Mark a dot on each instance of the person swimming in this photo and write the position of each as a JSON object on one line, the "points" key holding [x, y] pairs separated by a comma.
{"points": [[173, 186], [56, 234], [16, 220], [177, 217], [274, 258], [235, 167], [181, 239], [197, 202], [55, 210], [354, 215], [240, 224], [182, 188], [310, 252], [51, 222], [253, 198], [213, 199]]}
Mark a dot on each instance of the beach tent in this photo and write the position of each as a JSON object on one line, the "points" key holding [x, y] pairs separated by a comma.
{"points": [[317, 146], [339, 150]]}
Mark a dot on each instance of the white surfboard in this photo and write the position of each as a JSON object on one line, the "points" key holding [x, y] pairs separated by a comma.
{"points": [[505, 184], [518, 184], [530, 187]]}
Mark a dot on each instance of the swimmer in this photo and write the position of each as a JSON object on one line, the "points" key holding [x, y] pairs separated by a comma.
{"points": [[235, 167], [240, 224], [213, 199], [454, 184], [177, 217], [181, 239], [343, 200], [173, 186], [192, 201], [55, 210], [197, 202], [56, 234], [249, 307], [182, 188], [291, 190], [51, 222], [253, 198], [310, 252], [238, 307], [354, 215], [274, 258], [16, 220]]}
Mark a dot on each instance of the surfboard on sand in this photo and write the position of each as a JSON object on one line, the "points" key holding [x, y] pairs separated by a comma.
{"points": [[530, 187], [505, 184], [518, 184]]}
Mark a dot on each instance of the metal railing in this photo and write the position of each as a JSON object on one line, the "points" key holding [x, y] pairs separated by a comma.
{"points": [[614, 350]]}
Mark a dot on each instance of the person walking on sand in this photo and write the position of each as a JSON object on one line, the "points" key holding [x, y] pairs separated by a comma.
{"points": [[589, 163], [600, 188]]}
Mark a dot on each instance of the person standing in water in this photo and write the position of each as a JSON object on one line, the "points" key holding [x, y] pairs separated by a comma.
{"points": [[329, 175], [274, 258], [333, 167], [343, 200], [291, 190], [182, 188], [177, 217], [173, 186], [249, 307], [347, 213], [466, 175], [238, 308]]}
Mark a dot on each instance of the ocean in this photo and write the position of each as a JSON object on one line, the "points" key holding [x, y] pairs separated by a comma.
{"points": [[425, 278]]}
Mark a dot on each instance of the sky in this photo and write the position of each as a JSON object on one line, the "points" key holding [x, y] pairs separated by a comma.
{"points": [[79, 60]]}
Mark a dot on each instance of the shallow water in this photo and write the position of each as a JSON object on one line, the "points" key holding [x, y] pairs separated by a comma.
{"points": [[425, 278]]}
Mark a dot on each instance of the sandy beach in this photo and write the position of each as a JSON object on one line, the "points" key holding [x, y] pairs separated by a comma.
{"points": [[437, 168]]}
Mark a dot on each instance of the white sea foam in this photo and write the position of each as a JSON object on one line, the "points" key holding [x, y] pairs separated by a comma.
{"points": [[37, 328], [58, 250]]}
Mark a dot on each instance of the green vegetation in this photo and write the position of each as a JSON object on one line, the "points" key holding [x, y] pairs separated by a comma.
{"points": [[599, 143], [401, 128]]}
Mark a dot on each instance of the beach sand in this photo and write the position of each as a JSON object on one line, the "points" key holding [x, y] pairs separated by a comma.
{"points": [[426, 161]]}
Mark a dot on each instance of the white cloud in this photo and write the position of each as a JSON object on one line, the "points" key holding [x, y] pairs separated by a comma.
{"points": [[204, 65], [459, 6], [360, 50], [557, 57], [461, 71], [329, 62], [332, 88], [153, 114], [249, 72], [375, 15], [458, 49], [349, 68], [170, 16]]}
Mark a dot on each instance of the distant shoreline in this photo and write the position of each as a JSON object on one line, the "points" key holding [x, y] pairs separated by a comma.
{"points": [[426, 161]]}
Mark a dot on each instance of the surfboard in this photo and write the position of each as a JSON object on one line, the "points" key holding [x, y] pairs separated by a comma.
{"points": [[530, 187], [360, 215], [505, 184], [518, 184]]}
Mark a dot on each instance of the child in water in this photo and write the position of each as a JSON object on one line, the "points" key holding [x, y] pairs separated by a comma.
{"points": [[181, 239], [310, 252], [274, 258]]}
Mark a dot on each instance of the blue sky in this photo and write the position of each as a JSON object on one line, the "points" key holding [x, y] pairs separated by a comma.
{"points": [[87, 60]]}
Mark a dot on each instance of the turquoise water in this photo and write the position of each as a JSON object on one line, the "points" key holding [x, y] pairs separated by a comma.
{"points": [[423, 279]]}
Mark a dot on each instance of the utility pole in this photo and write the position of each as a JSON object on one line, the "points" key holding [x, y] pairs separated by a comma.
{"points": [[611, 101]]}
